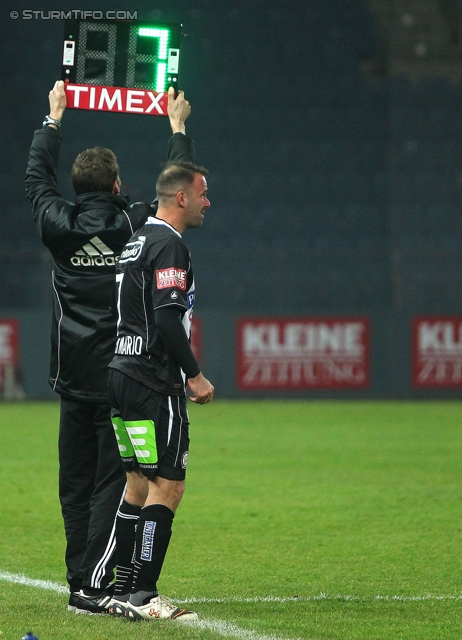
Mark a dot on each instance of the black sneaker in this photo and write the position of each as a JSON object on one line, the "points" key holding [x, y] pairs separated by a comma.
{"points": [[73, 599], [92, 604]]}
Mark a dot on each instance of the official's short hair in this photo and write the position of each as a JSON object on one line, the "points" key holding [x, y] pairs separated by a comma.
{"points": [[94, 170], [176, 176]]}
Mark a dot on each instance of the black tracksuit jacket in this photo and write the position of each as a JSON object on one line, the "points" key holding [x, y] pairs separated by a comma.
{"points": [[85, 239]]}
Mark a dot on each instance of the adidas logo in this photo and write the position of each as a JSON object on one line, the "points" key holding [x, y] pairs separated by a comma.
{"points": [[94, 254]]}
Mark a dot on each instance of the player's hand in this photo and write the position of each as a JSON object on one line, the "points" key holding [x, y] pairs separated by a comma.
{"points": [[201, 388], [178, 110], [57, 100]]}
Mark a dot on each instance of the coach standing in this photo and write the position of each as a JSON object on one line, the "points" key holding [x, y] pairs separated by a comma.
{"points": [[85, 239]]}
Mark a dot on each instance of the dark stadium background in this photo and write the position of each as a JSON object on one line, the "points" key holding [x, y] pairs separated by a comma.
{"points": [[331, 130]]}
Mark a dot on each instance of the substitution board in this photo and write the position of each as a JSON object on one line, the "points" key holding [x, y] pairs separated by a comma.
{"points": [[120, 66]]}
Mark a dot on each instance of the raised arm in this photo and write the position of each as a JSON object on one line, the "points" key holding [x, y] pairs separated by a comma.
{"points": [[41, 182], [180, 147], [178, 110], [57, 100]]}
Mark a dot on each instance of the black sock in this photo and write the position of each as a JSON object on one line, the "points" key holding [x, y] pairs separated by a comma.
{"points": [[126, 522], [152, 539]]}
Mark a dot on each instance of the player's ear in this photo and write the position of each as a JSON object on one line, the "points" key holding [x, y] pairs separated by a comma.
{"points": [[116, 186], [181, 198]]}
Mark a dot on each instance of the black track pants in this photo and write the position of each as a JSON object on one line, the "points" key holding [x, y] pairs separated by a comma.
{"points": [[91, 483]]}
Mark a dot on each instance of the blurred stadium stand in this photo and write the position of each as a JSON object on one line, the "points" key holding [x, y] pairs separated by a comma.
{"points": [[332, 132]]}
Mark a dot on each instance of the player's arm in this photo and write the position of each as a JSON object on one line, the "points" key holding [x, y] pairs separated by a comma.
{"points": [[178, 110], [180, 146], [41, 181], [171, 329], [58, 103], [170, 326], [168, 315]]}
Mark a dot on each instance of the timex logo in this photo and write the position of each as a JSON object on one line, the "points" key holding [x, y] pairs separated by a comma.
{"points": [[117, 99]]}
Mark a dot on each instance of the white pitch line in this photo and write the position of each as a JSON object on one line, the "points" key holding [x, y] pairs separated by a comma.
{"points": [[317, 598], [217, 626], [19, 578], [230, 630]]}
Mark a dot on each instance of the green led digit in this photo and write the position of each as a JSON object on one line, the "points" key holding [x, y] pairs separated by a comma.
{"points": [[148, 70], [162, 34], [160, 76]]}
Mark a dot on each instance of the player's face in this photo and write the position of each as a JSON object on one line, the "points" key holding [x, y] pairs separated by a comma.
{"points": [[198, 202]]}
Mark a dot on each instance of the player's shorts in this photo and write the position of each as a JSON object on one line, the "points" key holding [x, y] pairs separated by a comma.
{"points": [[152, 429]]}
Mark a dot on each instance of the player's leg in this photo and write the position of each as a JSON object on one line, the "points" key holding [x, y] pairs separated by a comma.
{"points": [[123, 532], [136, 490], [166, 492], [152, 433], [126, 524], [153, 536], [77, 469], [99, 560], [166, 488]]}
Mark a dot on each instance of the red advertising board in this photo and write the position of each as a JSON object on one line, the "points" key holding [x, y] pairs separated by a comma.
{"points": [[9, 342], [116, 99], [437, 351], [303, 353]]}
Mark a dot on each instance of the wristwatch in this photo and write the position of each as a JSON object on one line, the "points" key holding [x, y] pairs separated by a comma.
{"points": [[49, 120]]}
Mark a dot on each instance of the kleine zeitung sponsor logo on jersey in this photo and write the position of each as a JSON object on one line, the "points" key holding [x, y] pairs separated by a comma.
{"points": [[171, 277], [437, 351], [303, 353]]}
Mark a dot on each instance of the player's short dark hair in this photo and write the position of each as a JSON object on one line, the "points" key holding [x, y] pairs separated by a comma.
{"points": [[176, 176], [94, 170]]}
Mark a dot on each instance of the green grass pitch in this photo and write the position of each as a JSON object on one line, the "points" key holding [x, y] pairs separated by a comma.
{"points": [[325, 520]]}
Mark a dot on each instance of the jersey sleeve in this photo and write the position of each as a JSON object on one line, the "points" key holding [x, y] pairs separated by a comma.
{"points": [[181, 147], [170, 269], [173, 334]]}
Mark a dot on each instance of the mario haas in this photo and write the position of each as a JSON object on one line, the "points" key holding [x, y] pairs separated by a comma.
{"points": [[129, 346]]}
